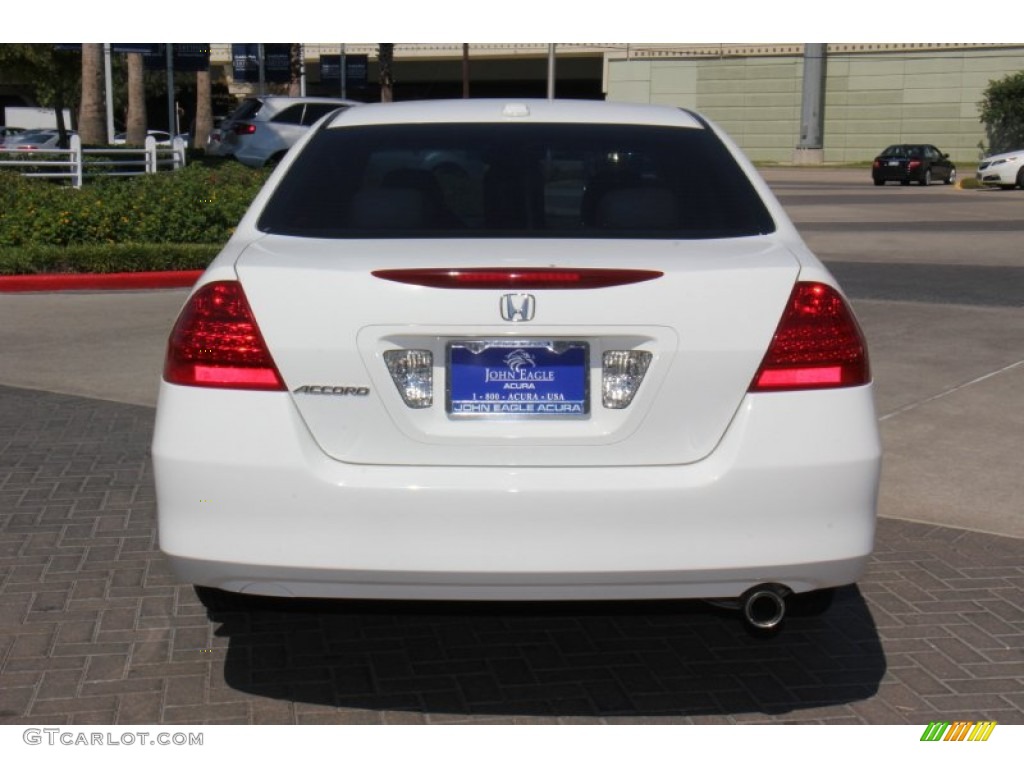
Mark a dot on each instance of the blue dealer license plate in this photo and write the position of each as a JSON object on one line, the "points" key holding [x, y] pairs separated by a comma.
{"points": [[541, 378]]}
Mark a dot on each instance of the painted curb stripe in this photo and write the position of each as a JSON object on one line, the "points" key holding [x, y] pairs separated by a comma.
{"points": [[120, 281]]}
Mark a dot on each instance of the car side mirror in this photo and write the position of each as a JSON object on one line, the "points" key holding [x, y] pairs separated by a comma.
{"points": [[945, 156]]}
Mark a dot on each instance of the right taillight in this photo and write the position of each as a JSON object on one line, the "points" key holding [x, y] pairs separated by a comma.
{"points": [[818, 344], [243, 129], [216, 343]]}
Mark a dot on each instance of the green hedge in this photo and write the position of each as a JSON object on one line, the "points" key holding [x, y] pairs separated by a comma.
{"points": [[188, 214]]}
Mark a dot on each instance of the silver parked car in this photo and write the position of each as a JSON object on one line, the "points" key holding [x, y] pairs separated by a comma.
{"points": [[262, 129]]}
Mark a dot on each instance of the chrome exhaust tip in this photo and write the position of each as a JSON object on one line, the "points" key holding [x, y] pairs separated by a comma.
{"points": [[764, 606]]}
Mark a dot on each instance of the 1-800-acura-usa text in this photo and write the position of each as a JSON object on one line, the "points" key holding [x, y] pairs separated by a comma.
{"points": [[536, 350]]}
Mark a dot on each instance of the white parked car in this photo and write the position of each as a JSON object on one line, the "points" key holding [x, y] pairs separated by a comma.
{"points": [[162, 138], [585, 357], [263, 128], [34, 139], [1005, 170]]}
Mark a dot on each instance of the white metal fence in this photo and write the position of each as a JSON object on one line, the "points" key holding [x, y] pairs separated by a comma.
{"points": [[76, 164]]}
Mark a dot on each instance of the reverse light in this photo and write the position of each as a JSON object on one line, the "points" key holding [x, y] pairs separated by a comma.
{"points": [[216, 343], [817, 345], [412, 370], [622, 373]]}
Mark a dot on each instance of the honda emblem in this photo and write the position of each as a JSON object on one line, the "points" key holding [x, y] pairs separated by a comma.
{"points": [[517, 307]]}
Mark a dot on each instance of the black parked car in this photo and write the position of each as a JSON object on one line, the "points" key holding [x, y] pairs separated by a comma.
{"points": [[905, 163]]}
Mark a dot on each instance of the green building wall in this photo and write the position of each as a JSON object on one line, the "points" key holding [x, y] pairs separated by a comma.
{"points": [[871, 99]]}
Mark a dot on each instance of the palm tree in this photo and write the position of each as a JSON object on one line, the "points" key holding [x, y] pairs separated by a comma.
{"points": [[91, 124], [295, 62], [386, 58], [136, 123], [204, 109]]}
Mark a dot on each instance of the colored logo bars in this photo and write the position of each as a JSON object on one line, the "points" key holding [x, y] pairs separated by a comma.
{"points": [[959, 730]]}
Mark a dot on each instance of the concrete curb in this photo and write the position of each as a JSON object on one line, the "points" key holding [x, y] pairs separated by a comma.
{"points": [[120, 281]]}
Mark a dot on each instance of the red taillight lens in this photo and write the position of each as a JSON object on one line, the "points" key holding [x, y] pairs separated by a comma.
{"points": [[216, 343], [913, 164], [243, 129], [527, 278], [817, 345]]}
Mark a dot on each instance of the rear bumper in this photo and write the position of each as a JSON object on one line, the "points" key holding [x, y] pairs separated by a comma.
{"points": [[248, 503], [895, 174]]}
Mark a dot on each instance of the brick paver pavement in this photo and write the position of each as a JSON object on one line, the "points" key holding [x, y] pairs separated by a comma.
{"points": [[94, 629]]}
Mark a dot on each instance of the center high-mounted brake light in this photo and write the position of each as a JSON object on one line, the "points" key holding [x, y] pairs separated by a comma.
{"points": [[216, 343], [525, 278], [818, 344]]}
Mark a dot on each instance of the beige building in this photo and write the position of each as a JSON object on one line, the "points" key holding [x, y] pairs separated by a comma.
{"points": [[874, 95]]}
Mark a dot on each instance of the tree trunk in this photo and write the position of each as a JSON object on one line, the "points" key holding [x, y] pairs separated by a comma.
{"points": [[91, 125], [295, 70], [386, 58], [204, 109], [62, 130], [136, 102]]}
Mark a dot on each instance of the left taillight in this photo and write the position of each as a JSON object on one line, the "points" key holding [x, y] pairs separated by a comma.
{"points": [[217, 343]]}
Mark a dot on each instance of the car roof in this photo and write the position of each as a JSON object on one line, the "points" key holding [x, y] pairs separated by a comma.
{"points": [[269, 99], [515, 110], [907, 147]]}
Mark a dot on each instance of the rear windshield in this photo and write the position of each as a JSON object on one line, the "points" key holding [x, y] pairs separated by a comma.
{"points": [[246, 110], [902, 150], [499, 180]]}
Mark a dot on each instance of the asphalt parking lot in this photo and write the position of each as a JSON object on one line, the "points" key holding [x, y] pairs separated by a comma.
{"points": [[95, 630]]}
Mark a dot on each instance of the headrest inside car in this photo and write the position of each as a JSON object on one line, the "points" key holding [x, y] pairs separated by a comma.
{"points": [[388, 208], [640, 208]]}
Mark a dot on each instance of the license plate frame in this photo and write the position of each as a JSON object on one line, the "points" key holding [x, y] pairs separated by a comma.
{"points": [[546, 379]]}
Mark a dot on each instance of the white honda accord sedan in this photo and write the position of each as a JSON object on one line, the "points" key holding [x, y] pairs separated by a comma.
{"points": [[542, 350]]}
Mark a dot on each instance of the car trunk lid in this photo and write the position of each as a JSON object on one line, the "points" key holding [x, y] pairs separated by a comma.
{"points": [[703, 323]]}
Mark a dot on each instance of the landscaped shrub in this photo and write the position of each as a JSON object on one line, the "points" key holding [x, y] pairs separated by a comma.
{"points": [[196, 204]]}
